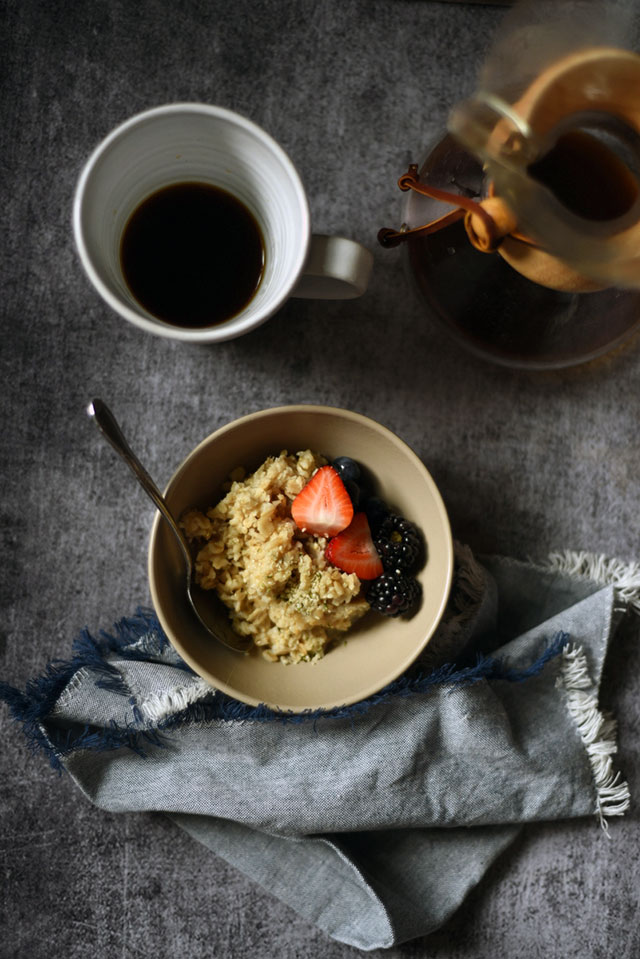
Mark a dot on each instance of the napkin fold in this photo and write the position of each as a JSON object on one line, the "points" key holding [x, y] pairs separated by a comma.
{"points": [[374, 820]]}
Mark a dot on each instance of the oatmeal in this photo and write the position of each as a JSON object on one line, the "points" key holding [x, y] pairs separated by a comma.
{"points": [[274, 578]]}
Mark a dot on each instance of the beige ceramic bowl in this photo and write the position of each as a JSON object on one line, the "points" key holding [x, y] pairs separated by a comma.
{"points": [[378, 648]]}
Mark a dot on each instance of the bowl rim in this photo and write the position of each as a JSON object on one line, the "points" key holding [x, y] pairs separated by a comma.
{"points": [[355, 417]]}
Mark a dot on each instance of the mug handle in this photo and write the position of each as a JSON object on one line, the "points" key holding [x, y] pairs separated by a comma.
{"points": [[335, 269]]}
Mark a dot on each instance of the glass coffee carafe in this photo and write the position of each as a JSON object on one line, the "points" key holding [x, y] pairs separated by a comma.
{"points": [[535, 260]]}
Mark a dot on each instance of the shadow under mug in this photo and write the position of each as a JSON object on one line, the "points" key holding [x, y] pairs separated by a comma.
{"points": [[189, 142]]}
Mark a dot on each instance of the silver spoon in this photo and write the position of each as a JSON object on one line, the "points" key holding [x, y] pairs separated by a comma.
{"points": [[202, 603]]}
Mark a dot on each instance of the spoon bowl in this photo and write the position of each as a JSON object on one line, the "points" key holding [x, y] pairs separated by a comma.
{"points": [[204, 604]]}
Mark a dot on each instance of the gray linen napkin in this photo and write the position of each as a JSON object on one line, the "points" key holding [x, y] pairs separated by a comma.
{"points": [[360, 819]]}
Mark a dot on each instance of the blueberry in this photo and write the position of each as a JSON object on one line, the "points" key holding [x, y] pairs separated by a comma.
{"points": [[354, 492], [377, 511], [346, 468]]}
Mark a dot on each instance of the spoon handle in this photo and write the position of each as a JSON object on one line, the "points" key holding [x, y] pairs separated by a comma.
{"points": [[106, 422]]}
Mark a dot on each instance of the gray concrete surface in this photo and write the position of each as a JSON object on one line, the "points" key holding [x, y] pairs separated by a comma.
{"points": [[526, 462]]}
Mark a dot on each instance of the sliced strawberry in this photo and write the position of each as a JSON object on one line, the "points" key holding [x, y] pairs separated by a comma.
{"points": [[323, 507], [353, 550]]}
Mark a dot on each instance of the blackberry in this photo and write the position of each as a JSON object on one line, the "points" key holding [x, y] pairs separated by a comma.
{"points": [[398, 543], [394, 594]]}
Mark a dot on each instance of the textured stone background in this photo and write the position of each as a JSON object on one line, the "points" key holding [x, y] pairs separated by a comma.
{"points": [[526, 462]]}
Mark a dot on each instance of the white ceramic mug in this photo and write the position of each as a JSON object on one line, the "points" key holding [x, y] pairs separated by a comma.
{"points": [[187, 142]]}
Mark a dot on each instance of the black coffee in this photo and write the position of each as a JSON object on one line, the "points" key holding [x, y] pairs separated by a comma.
{"points": [[587, 177], [192, 255]]}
